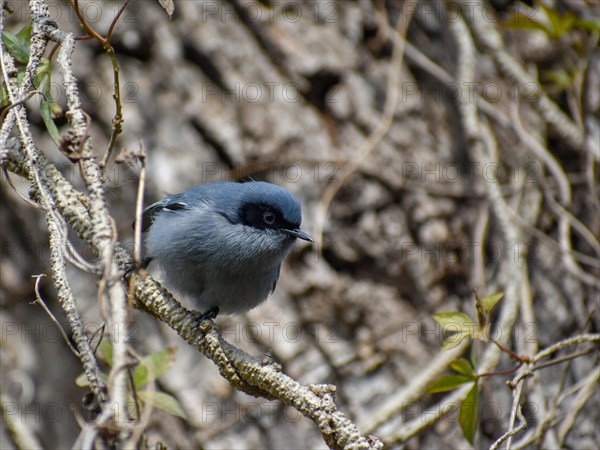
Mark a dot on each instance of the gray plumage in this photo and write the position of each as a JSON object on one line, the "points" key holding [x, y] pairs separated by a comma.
{"points": [[221, 244]]}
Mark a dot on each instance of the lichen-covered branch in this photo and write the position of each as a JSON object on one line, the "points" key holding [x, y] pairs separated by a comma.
{"points": [[247, 373], [68, 305], [78, 141], [30, 161]]}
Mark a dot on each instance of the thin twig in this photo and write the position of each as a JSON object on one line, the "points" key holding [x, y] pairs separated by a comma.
{"points": [[590, 386], [488, 37], [103, 230], [510, 433], [244, 372], [19, 430], [515, 410], [115, 20], [520, 358], [575, 340], [21, 196], [143, 419], [556, 361], [110, 51], [139, 206], [385, 122], [40, 301], [86, 26]]}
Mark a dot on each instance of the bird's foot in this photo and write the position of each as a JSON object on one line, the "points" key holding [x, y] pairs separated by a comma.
{"points": [[210, 314]]}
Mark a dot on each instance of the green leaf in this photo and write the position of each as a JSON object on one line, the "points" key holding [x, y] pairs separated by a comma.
{"points": [[560, 24], [464, 367], [168, 6], [49, 109], [468, 414], [164, 402], [448, 383], [55, 110], [454, 340], [489, 302], [43, 74], [520, 23], [39, 79], [588, 25], [107, 351], [46, 111], [4, 99], [473, 357], [44, 83], [520, 20], [560, 78], [25, 34], [17, 48], [482, 333], [156, 364], [455, 321]]}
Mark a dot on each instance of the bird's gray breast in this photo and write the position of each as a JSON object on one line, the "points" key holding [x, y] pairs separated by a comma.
{"points": [[213, 262], [236, 291]]}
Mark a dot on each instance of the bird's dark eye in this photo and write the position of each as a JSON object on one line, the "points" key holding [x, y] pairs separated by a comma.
{"points": [[268, 218]]}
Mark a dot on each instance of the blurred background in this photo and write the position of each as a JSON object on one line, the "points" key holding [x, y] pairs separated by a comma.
{"points": [[290, 92]]}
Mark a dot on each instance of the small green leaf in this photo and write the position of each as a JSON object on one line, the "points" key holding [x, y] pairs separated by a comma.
{"points": [[4, 99], [473, 356], [168, 6], [559, 80], [520, 23], [489, 302], [20, 75], [16, 47], [156, 364], [164, 402], [455, 321], [46, 111], [588, 25], [25, 34], [448, 383], [39, 79], [560, 24], [43, 74], [463, 366], [468, 414], [107, 351], [482, 333], [454, 340], [55, 110]]}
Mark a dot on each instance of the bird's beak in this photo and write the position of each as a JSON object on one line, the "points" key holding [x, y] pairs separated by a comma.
{"points": [[299, 234]]}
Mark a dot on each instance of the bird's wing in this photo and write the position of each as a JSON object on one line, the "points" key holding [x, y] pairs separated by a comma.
{"points": [[169, 204], [276, 278]]}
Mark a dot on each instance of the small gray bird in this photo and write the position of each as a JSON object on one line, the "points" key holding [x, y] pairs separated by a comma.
{"points": [[221, 244]]}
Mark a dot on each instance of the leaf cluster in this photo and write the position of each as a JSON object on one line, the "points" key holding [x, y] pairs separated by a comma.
{"points": [[464, 371], [143, 375], [18, 46]]}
